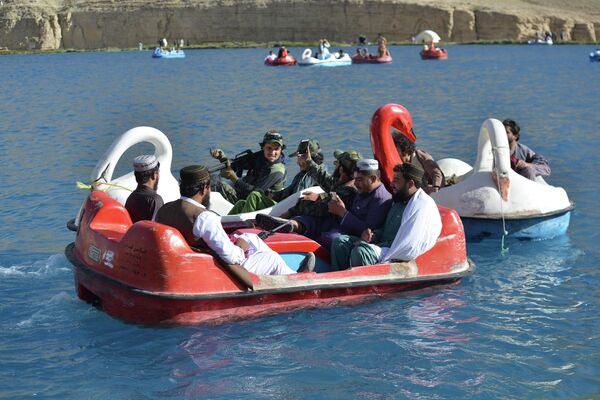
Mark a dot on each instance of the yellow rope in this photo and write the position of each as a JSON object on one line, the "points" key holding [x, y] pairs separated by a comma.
{"points": [[81, 185]]}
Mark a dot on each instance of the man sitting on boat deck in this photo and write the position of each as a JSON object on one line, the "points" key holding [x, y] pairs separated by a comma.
{"points": [[523, 160], [258, 200], [341, 182], [313, 208], [202, 228], [368, 209], [412, 226], [266, 171], [433, 179], [143, 203]]}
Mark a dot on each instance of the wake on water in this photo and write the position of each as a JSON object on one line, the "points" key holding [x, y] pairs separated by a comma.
{"points": [[55, 264]]}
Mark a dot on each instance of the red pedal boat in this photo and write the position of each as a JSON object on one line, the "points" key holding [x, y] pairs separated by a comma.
{"points": [[359, 59], [436, 53], [146, 273], [287, 60]]}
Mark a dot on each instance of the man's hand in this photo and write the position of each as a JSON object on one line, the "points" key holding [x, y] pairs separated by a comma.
{"points": [[218, 154], [311, 196], [229, 173], [242, 244], [521, 164], [367, 235], [336, 206]]}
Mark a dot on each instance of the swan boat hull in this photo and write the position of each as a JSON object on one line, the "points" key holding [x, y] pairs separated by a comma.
{"points": [[537, 228], [334, 60], [168, 54], [145, 272]]}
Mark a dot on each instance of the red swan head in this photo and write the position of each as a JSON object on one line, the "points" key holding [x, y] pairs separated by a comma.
{"points": [[384, 149]]}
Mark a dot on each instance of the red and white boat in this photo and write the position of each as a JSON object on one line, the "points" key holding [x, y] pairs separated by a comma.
{"points": [[371, 59], [146, 273], [435, 53], [287, 60], [429, 38]]}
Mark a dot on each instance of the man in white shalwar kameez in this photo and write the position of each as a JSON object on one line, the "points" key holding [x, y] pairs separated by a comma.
{"points": [[202, 228], [412, 226]]}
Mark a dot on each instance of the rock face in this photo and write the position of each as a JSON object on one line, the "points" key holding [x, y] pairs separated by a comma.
{"points": [[76, 24]]}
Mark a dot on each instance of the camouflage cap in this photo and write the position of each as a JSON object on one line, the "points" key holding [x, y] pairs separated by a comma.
{"points": [[347, 159], [272, 136]]}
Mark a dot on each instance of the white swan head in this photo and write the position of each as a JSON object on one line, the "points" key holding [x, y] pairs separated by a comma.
{"points": [[102, 174], [493, 154]]}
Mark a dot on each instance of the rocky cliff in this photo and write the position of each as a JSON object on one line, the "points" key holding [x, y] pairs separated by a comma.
{"points": [[76, 24]]}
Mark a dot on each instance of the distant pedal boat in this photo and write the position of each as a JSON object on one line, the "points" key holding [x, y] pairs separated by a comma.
{"points": [[334, 60], [158, 53], [371, 59]]}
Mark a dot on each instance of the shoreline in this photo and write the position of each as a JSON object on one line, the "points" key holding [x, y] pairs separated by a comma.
{"points": [[272, 45]]}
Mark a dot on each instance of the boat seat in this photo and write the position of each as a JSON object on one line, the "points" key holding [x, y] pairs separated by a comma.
{"points": [[293, 247]]}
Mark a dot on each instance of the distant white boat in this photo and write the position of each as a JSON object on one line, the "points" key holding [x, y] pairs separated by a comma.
{"points": [[540, 41]]}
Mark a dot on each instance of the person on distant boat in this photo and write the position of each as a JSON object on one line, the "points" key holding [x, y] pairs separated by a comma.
{"points": [[363, 52], [433, 178], [271, 56], [258, 200], [266, 170], [283, 52], [202, 228], [382, 45], [143, 203], [411, 227], [324, 49], [523, 160], [162, 45], [367, 210]]}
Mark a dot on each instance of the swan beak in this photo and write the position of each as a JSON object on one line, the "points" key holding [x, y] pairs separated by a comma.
{"points": [[503, 186]]}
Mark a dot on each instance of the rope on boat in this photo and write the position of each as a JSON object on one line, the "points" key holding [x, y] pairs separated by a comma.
{"points": [[503, 250], [81, 185]]}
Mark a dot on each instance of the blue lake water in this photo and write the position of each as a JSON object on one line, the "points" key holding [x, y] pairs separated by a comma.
{"points": [[525, 325]]}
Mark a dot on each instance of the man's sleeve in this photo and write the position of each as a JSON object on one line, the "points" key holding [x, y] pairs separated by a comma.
{"points": [[208, 228], [375, 218], [320, 176], [431, 167], [158, 203], [541, 165], [262, 185]]}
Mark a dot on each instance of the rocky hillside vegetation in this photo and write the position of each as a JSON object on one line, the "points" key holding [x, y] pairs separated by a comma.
{"points": [[94, 24]]}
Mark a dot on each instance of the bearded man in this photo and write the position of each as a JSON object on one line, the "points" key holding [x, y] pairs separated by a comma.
{"points": [[412, 226], [143, 203], [202, 229]]}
